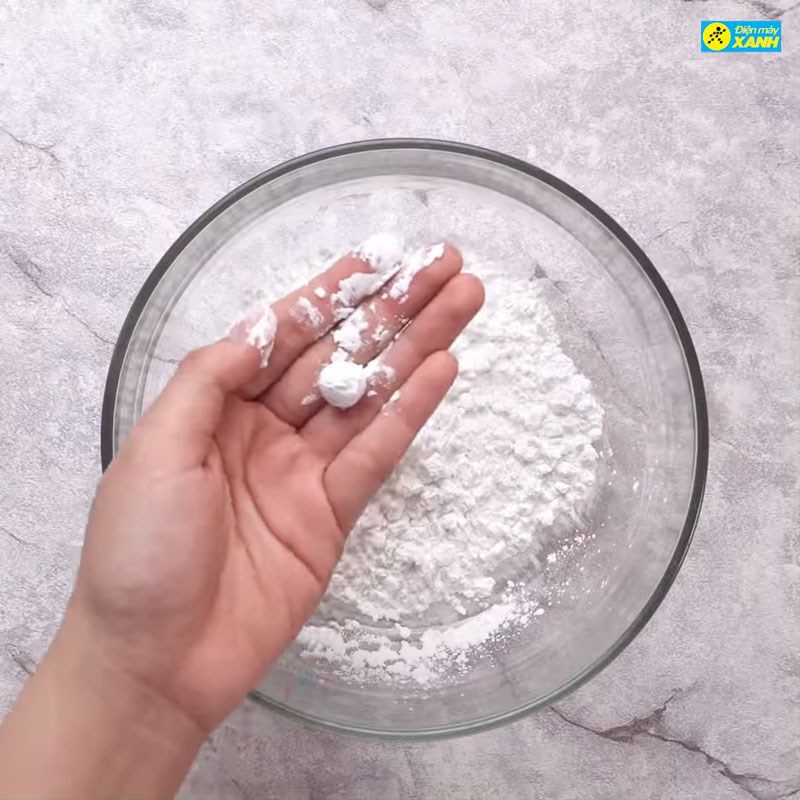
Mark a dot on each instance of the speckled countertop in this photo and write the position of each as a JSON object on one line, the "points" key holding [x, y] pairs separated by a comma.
{"points": [[120, 122]]}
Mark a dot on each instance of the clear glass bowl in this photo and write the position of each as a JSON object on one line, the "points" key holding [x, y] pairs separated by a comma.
{"points": [[616, 319]]}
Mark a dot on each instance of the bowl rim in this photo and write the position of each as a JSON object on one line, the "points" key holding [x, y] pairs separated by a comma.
{"points": [[690, 357]]}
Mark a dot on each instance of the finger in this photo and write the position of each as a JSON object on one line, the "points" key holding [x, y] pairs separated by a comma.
{"points": [[362, 336], [358, 471], [177, 429], [310, 312], [436, 328]]}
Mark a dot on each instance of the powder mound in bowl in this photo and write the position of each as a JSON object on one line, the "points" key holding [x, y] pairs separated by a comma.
{"points": [[505, 468]]}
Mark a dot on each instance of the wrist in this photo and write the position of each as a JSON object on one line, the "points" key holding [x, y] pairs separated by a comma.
{"points": [[100, 730], [79, 659]]}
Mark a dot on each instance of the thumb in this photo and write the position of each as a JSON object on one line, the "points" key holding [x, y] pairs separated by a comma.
{"points": [[178, 427]]}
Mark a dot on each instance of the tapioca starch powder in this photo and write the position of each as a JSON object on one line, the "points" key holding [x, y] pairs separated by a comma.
{"points": [[430, 574]]}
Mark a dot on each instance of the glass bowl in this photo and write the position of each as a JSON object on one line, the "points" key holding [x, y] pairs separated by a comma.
{"points": [[616, 319]]}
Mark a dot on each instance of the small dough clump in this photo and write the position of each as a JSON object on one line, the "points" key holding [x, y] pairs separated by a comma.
{"points": [[342, 383]]}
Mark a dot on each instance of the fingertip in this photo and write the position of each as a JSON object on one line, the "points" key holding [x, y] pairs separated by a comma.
{"points": [[472, 291], [444, 364], [439, 272], [460, 299], [447, 365], [229, 362], [249, 356], [452, 257]]}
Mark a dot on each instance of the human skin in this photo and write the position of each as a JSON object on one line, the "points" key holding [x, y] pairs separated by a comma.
{"points": [[213, 536]]}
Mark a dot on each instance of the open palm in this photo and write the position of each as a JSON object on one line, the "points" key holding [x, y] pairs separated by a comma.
{"points": [[215, 531]]}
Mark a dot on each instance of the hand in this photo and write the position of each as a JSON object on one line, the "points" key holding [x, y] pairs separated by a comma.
{"points": [[216, 529], [214, 534]]}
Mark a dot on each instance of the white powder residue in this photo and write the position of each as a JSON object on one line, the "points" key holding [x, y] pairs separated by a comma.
{"points": [[262, 327], [381, 333], [379, 374], [436, 649], [412, 264], [306, 313], [354, 289], [473, 631], [491, 492], [319, 641], [384, 253], [320, 292], [348, 335]]}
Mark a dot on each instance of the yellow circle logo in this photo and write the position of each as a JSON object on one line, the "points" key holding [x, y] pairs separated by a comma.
{"points": [[716, 36]]}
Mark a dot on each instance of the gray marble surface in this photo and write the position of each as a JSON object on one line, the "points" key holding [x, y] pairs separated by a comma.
{"points": [[121, 121]]}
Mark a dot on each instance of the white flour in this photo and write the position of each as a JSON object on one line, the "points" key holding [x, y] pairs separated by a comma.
{"points": [[435, 571], [262, 333], [308, 314], [384, 252], [412, 264]]}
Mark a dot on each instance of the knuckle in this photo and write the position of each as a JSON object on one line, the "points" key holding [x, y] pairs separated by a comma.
{"points": [[191, 361], [295, 335], [367, 461]]}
